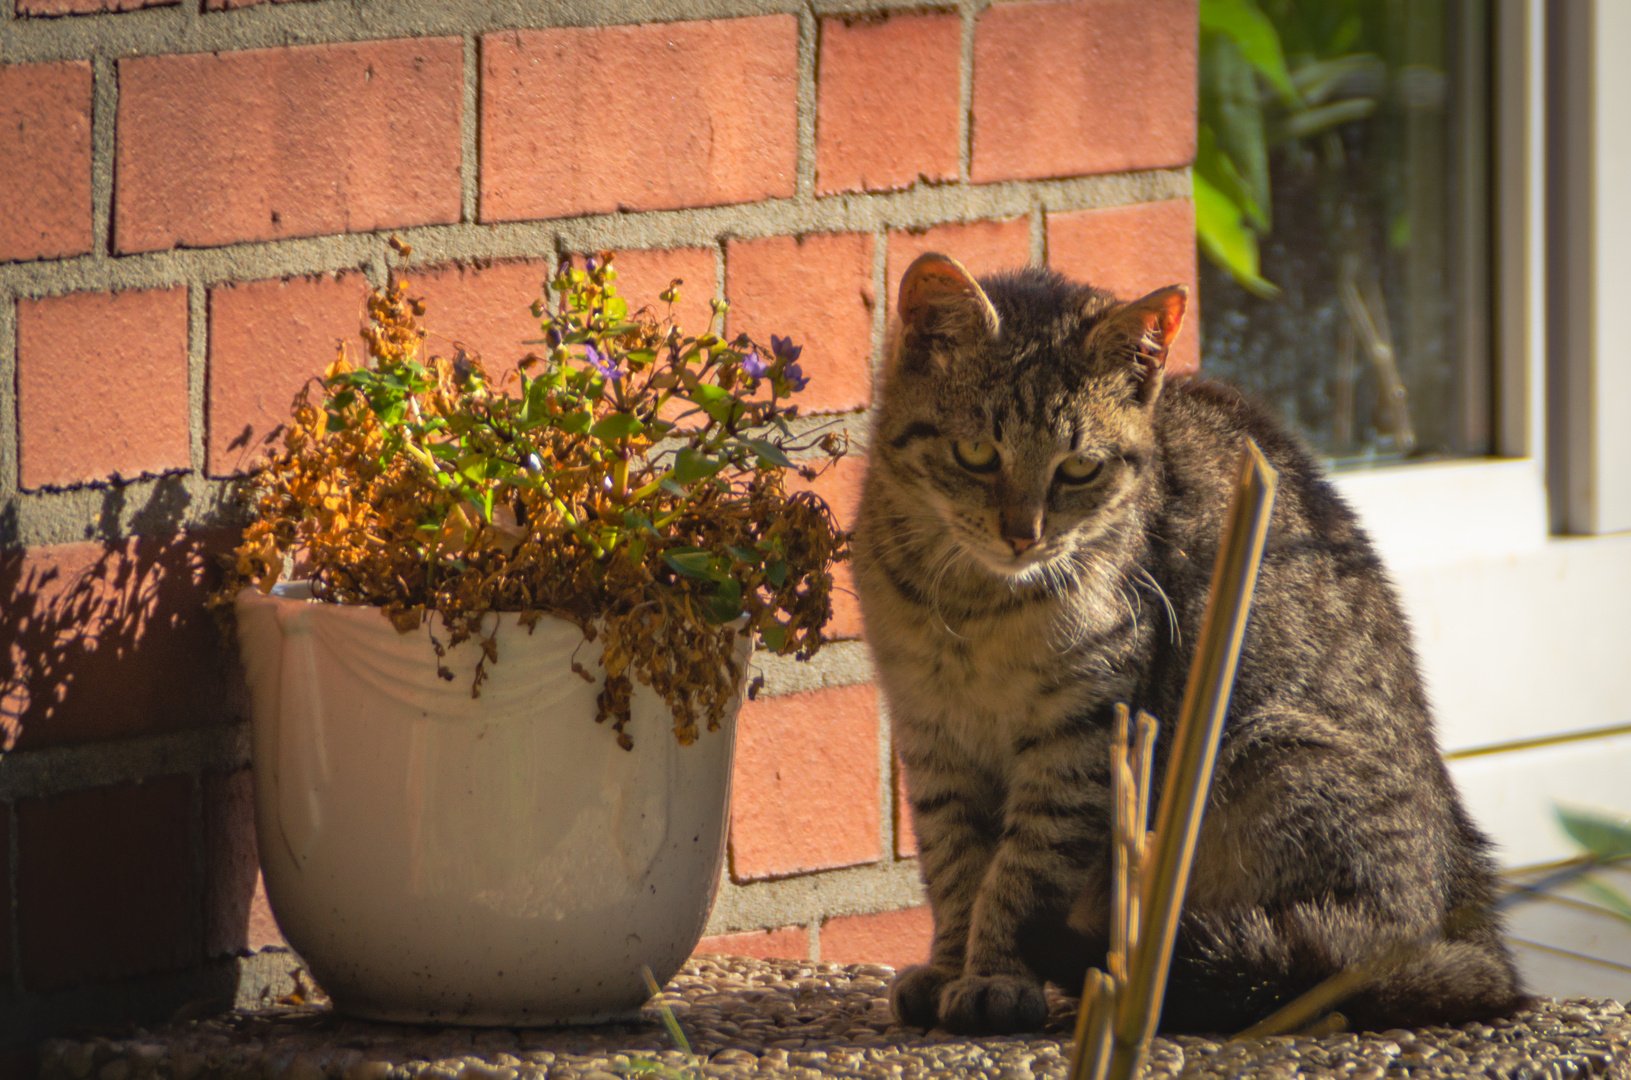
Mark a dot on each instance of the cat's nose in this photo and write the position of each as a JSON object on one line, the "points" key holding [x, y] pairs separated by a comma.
{"points": [[1021, 544]]}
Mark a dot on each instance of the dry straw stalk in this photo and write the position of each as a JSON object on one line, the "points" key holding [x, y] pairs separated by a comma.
{"points": [[1120, 1012]]}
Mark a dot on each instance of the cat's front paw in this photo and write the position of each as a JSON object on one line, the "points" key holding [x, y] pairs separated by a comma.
{"points": [[915, 994], [993, 1005]]}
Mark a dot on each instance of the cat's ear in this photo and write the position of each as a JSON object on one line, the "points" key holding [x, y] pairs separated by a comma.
{"points": [[1145, 329], [939, 298]]}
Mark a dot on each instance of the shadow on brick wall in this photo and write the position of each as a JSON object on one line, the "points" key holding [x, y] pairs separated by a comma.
{"points": [[110, 638]]}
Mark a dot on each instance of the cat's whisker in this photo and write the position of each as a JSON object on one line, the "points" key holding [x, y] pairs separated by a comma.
{"points": [[946, 561], [1175, 633]]}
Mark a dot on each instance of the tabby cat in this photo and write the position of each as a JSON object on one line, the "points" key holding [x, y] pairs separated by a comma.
{"points": [[1041, 513]]}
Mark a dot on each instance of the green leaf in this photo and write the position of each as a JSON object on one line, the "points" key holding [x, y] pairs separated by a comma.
{"points": [[723, 411], [1218, 169], [706, 394], [727, 600], [1317, 80], [1226, 240], [574, 423], [1611, 899], [616, 426], [1603, 836], [637, 549], [774, 637], [1231, 106], [693, 562], [691, 465], [742, 554], [536, 398], [717, 403], [336, 422], [1302, 125], [770, 455], [474, 467], [672, 488], [776, 573], [1254, 35]]}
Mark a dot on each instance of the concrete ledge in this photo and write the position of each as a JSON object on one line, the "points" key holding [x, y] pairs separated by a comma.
{"points": [[745, 1017], [234, 982], [42, 774]]}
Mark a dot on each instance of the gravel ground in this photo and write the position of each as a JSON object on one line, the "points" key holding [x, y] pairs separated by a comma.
{"points": [[756, 1017]]}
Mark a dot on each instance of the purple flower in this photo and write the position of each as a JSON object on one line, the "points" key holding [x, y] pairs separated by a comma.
{"points": [[602, 363], [589, 261], [784, 348], [754, 366], [788, 354]]}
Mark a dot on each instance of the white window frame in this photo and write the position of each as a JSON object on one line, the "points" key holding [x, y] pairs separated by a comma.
{"points": [[1515, 569], [1426, 513]]}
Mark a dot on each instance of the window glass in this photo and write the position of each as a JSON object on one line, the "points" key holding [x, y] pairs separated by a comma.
{"points": [[1341, 204]]}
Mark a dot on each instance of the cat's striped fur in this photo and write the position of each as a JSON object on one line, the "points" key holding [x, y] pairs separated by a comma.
{"points": [[1010, 604]]}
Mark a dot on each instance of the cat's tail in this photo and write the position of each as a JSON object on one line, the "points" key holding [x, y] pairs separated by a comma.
{"points": [[1230, 971]]}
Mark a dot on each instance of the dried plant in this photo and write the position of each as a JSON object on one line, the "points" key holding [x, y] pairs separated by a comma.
{"points": [[630, 479]]}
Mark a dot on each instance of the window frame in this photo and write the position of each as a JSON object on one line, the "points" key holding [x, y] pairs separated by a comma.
{"points": [[1421, 513]]}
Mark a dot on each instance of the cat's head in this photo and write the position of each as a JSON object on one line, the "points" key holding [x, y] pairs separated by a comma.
{"points": [[1017, 412]]}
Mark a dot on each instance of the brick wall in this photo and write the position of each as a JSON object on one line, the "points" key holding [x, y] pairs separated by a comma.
{"points": [[195, 197]]}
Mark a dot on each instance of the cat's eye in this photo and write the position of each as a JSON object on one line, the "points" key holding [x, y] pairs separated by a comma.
{"points": [[975, 456], [1079, 469]]}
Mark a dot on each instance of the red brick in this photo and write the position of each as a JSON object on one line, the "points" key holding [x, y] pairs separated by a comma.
{"points": [[643, 275], [1068, 89], [896, 938], [86, 7], [983, 246], [905, 835], [101, 640], [594, 119], [236, 916], [805, 796], [889, 98], [45, 160], [787, 942], [840, 486], [102, 386], [1132, 251], [262, 144], [267, 339], [104, 883], [482, 308], [818, 291]]}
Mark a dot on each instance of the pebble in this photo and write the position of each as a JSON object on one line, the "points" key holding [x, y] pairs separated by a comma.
{"points": [[782, 1020]]}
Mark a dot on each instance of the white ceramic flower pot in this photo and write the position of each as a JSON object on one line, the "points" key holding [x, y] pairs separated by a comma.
{"points": [[496, 860]]}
